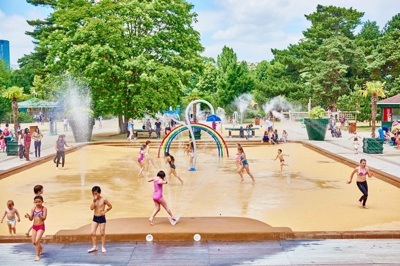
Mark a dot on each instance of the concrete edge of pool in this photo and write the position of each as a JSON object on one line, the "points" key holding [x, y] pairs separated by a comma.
{"points": [[226, 229]]}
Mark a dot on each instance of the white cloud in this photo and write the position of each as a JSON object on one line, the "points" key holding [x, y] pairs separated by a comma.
{"points": [[253, 27], [13, 28]]}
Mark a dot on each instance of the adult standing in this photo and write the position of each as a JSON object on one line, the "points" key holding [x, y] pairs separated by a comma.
{"points": [[65, 124], [158, 128], [148, 127], [37, 141], [61, 144], [7, 134], [129, 127], [362, 172], [27, 143], [21, 147]]}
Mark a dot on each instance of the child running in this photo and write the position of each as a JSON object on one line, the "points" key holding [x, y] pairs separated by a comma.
{"points": [[281, 159], [172, 168], [38, 215], [11, 212], [141, 160], [362, 172], [158, 199], [355, 138], [147, 155], [37, 190], [99, 218], [244, 166]]}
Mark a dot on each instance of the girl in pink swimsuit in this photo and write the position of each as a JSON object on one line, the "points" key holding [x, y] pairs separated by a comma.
{"points": [[158, 199], [38, 214], [140, 160]]}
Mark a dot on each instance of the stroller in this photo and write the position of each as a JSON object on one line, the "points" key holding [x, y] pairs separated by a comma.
{"points": [[336, 132]]}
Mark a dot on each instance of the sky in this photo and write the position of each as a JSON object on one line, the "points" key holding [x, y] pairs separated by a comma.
{"points": [[250, 27]]}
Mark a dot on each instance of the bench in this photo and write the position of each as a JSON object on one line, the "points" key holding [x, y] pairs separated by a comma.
{"points": [[253, 130], [139, 130]]}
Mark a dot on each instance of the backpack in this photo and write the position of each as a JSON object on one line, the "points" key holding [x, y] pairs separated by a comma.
{"points": [[6, 132]]}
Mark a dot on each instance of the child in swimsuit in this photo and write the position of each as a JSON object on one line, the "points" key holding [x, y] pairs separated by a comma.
{"points": [[355, 138], [147, 155], [38, 214], [11, 212], [158, 199], [99, 218], [140, 160], [244, 166], [281, 159], [172, 168], [37, 190], [362, 173]]}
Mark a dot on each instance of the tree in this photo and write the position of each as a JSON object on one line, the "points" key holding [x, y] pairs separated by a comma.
{"points": [[234, 77], [137, 56], [375, 90], [330, 21], [14, 93], [5, 82]]}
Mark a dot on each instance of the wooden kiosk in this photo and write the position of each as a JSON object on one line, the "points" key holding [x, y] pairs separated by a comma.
{"points": [[390, 110]]}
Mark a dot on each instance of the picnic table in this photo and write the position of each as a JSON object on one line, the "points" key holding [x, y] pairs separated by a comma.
{"points": [[238, 129], [136, 132]]}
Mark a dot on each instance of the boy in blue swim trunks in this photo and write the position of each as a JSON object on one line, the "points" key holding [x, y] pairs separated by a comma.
{"points": [[99, 218]]}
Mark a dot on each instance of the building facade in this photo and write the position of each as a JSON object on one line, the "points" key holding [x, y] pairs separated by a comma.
{"points": [[5, 52]]}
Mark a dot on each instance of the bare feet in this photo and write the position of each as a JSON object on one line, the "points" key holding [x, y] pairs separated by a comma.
{"points": [[103, 249], [151, 221], [93, 249], [253, 182], [37, 258], [242, 181]]}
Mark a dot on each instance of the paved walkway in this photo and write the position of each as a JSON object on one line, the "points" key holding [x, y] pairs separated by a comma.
{"points": [[287, 252], [284, 252]]}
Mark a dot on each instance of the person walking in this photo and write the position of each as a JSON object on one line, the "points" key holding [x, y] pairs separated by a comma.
{"points": [[37, 141], [27, 143], [61, 144]]}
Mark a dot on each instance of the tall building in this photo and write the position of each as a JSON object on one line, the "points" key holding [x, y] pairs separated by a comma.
{"points": [[5, 52]]}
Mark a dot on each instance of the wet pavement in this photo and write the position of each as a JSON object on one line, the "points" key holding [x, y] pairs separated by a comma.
{"points": [[284, 252]]}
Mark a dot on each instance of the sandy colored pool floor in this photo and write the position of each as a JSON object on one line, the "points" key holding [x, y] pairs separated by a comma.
{"points": [[311, 194]]}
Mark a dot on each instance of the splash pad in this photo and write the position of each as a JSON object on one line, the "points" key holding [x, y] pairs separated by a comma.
{"points": [[291, 201]]}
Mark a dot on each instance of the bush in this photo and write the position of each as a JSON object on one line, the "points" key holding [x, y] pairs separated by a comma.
{"points": [[317, 112], [24, 118]]}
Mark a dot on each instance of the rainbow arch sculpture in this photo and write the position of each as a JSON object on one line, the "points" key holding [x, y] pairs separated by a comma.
{"points": [[219, 140]]}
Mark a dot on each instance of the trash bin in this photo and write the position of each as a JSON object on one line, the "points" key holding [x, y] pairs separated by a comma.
{"points": [[32, 129], [12, 148], [352, 127]]}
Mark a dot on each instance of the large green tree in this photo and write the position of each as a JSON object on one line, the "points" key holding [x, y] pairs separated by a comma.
{"points": [[137, 56], [234, 78]]}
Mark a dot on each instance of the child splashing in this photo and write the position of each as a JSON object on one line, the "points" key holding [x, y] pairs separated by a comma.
{"points": [[38, 214], [158, 199]]}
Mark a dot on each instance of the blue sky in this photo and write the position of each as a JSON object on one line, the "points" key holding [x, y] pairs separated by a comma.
{"points": [[250, 27]]}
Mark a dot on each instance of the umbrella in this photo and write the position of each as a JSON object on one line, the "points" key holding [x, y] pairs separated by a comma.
{"points": [[215, 118]]}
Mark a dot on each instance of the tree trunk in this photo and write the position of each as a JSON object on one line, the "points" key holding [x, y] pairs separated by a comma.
{"points": [[374, 100], [121, 124], [15, 116]]}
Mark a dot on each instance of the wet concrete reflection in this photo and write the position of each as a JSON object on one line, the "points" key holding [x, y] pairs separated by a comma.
{"points": [[309, 194]]}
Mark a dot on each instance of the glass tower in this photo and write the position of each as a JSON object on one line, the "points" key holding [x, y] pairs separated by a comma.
{"points": [[5, 52]]}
